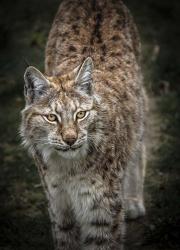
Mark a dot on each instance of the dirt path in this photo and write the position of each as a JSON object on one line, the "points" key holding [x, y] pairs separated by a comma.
{"points": [[160, 225], [137, 230]]}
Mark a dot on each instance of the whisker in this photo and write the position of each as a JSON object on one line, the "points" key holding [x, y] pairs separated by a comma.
{"points": [[94, 145]]}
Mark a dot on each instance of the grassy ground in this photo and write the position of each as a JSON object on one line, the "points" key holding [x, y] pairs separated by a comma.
{"points": [[24, 222]]}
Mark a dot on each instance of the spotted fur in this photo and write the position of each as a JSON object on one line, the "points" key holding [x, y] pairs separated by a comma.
{"points": [[92, 168]]}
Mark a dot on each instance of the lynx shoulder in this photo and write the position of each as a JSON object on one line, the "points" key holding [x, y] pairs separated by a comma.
{"points": [[83, 124]]}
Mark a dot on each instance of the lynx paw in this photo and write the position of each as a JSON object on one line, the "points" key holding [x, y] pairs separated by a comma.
{"points": [[134, 209]]}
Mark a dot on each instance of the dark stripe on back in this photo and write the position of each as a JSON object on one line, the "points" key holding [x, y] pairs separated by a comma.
{"points": [[96, 34]]}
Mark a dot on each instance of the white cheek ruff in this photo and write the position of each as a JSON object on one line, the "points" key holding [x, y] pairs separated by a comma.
{"points": [[46, 152]]}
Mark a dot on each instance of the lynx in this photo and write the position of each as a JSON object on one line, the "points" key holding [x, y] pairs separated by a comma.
{"points": [[83, 123]]}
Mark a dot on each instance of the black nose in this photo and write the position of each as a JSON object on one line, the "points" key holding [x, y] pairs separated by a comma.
{"points": [[70, 140], [69, 136]]}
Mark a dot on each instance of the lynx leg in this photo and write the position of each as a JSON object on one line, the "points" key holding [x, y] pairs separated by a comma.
{"points": [[64, 226], [133, 185], [101, 218], [101, 229]]}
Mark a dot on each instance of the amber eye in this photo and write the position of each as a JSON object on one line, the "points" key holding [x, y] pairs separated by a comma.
{"points": [[80, 114], [51, 117]]}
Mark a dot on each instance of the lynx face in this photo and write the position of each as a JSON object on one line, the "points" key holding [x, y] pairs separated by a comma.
{"points": [[60, 115]]}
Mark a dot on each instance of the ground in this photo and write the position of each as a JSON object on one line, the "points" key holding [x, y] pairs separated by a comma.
{"points": [[24, 222]]}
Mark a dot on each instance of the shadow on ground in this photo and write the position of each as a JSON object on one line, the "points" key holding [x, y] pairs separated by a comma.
{"points": [[24, 223]]}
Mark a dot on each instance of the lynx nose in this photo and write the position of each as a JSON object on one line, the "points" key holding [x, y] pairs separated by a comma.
{"points": [[69, 137], [70, 140]]}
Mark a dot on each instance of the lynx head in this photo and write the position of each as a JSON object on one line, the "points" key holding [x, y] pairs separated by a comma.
{"points": [[61, 113]]}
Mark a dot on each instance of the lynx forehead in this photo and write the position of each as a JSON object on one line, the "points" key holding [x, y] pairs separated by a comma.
{"points": [[83, 123]]}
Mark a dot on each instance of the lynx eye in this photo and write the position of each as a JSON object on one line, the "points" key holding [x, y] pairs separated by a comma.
{"points": [[51, 117], [81, 114]]}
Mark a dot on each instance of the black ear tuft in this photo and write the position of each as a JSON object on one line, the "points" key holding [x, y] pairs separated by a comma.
{"points": [[84, 77], [36, 84]]}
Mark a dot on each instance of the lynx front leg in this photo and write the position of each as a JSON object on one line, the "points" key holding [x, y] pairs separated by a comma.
{"points": [[99, 232], [101, 227], [64, 227], [133, 185], [101, 217]]}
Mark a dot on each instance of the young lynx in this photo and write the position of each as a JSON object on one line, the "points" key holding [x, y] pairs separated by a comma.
{"points": [[83, 123]]}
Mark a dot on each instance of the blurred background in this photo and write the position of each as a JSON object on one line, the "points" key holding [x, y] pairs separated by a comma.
{"points": [[24, 27]]}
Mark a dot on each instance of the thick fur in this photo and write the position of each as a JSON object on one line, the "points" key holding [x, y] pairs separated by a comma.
{"points": [[92, 64]]}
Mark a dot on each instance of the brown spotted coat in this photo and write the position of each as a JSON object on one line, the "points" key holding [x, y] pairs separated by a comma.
{"points": [[87, 201]]}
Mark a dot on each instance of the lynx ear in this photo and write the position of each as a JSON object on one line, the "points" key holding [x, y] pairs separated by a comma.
{"points": [[35, 84], [84, 78]]}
